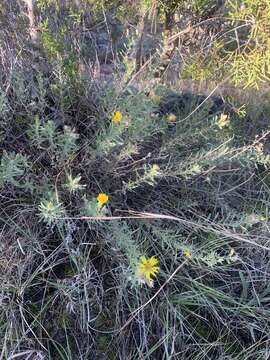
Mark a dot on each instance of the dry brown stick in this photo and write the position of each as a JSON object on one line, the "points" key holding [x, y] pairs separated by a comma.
{"points": [[31, 17], [155, 216], [142, 30]]}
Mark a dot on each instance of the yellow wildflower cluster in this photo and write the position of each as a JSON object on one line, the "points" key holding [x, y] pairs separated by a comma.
{"points": [[148, 268], [117, 117], [187, 253], [156, 99], [102, 199], [223, 121], [171, 118]]}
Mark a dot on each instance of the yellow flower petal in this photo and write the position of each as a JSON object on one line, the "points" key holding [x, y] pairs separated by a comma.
{"points": [[153, 261], [143, 260], [224, 121], [102, 198], [187, 253], [148, 274], [154, 272], [117, 117], [148, 268], [156, 98], [171, 118], [141, 268]]}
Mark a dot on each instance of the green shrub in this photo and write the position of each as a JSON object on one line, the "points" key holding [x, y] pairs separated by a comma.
{"points": [[134, 217], [62, 143], [12, 167]]}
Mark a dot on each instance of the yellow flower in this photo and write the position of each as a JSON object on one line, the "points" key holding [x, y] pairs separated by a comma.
{"points": [[148, 268], [171, 118], [187, 254], [165, 33], [102, 198], [224, 121], [117, 117], [156, 98], [232, 252]]}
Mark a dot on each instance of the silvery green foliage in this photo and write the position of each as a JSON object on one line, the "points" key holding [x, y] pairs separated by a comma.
{"points": [[47, 137], [12, 167]]}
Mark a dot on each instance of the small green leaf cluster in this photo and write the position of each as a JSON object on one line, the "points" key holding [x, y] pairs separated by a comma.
{"points": [[51, 210], [47, 137], [58, 48], [12, 168], [250, 63]]}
